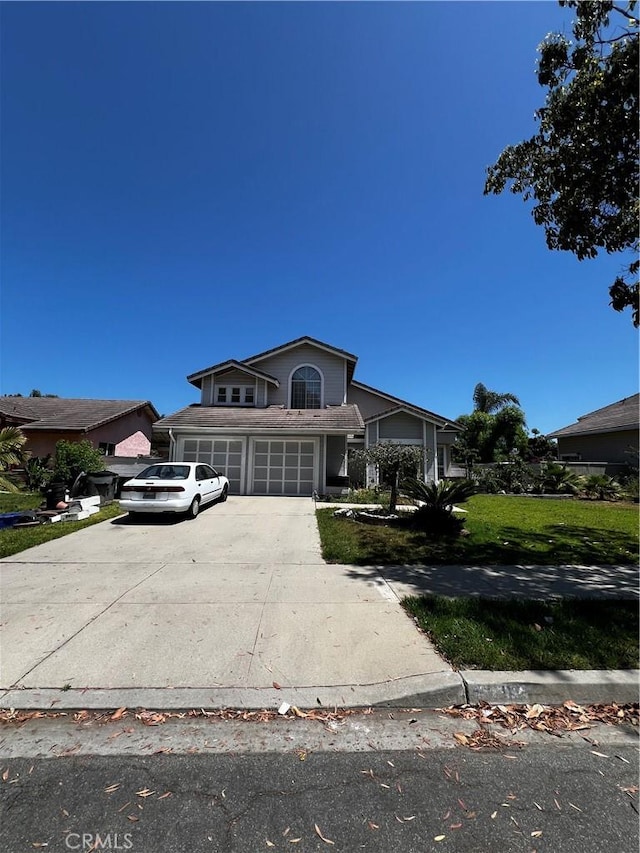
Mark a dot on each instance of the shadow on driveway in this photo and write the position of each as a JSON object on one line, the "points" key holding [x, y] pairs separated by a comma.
{"points": [[527, 582], [159, 519]]}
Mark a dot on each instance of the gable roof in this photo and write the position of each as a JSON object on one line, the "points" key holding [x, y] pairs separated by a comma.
{"points": [[62, 414], [443, 423], [247, 363], [303, 340], [623, 415], [331, 419], [231, 364]]}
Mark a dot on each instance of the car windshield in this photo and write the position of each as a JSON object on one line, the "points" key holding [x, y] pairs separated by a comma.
{"points": [[164, 472]]}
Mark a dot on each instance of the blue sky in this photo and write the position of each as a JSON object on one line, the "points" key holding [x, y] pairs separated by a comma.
{"points": [[184, 183]]}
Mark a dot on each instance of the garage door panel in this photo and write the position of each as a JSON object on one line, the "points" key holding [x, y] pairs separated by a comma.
{"points": [[283, 467], [225, 455]]}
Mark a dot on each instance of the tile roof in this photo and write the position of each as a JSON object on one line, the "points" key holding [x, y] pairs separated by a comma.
{"points": [[618, 416], [403, 404], [60, 413], [331, 419]]}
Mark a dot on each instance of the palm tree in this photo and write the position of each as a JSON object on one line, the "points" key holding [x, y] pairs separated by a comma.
{"points": [[12, 441], [490, 402]]}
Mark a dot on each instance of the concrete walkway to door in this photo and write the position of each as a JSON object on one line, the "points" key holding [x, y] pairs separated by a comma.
{"points": [[216, 611]]}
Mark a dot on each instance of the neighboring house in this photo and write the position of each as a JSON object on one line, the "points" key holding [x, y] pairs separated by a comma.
{"points": [[608, 435], [282, 422], [117, 427]]}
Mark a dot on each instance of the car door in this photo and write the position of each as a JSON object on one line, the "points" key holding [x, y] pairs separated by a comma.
{"points": [[216, 482], [204, 483]]}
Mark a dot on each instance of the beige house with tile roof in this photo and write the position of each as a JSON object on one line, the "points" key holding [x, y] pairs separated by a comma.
{"points": [[282, 422]]}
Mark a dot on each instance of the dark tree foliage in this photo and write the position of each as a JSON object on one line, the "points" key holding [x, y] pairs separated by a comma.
{"points": [[581, 167]]}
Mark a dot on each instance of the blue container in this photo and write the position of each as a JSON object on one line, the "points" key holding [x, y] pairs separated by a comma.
{"points": [[8, 519]]}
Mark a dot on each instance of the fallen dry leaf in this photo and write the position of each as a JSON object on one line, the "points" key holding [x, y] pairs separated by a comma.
{"points": [[321, 836], [567, 717], [117, 715]]}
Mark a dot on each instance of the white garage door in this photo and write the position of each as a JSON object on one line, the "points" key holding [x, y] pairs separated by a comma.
{"points": [[283, 467], [224, 454]]}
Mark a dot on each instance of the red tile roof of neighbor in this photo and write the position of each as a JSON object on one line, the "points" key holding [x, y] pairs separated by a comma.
{"points": [[623, 415], [61, 414], [331, 419]]}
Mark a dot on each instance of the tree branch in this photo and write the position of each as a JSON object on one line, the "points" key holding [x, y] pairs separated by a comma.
{"points": [[627, 14]]}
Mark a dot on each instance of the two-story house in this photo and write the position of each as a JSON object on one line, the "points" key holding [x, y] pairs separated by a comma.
{"points": [[282, 422]]}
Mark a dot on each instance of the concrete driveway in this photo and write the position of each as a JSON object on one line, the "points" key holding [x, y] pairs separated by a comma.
{"points": [[182, 613]]}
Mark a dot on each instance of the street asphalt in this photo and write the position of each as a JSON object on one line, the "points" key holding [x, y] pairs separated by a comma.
{"points": [[380, 782], [238, 609]]}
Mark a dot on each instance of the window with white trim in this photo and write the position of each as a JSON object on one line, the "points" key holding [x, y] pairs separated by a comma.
{"points": [[306, 388], [235, 395]]}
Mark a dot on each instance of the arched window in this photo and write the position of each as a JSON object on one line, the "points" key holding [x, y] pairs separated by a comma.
{"points": [[306, 388]]}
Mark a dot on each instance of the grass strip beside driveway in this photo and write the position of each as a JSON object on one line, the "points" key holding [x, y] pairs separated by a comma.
{"points": [[13, 541], [482, 633], [502, 530]]}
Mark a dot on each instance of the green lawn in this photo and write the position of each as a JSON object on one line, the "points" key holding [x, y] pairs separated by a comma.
{"points": [[476, 633], [13, 541], [502, 531], [17, 501]]}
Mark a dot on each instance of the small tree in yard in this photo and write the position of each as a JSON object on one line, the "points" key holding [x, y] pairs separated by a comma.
{"points": [[394, 461], [74, 457]]}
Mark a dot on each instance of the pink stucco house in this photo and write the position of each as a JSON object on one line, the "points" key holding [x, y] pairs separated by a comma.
{"points": [[117, 427]]}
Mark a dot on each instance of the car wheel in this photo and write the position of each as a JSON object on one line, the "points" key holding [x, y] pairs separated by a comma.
{"points": [[224, 495], [194, 509]]}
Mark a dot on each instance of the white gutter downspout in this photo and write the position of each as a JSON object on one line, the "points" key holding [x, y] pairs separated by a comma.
{"points": [[172, 443]]}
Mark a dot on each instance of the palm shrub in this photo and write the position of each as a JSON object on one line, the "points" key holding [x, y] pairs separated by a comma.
{"points": [[556, 479], [600, 487], [434, 515], [12, 441]]}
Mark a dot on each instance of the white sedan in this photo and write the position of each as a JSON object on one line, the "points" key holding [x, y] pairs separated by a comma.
{"points": [[174, 487]]}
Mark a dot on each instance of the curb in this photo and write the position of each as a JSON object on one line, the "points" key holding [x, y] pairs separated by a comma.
{"points": [[586, 687], [435, 690]]}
